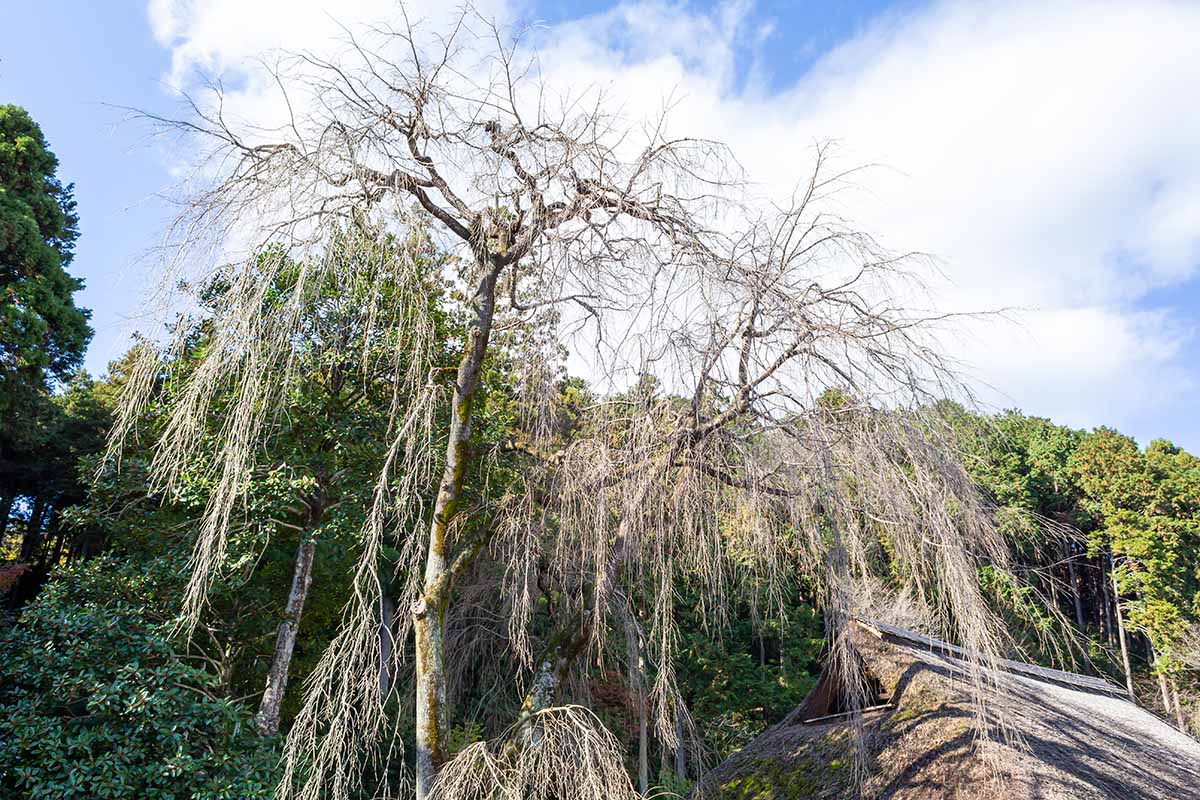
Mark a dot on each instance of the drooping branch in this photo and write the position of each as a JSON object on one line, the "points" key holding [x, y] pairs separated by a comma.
{"points": [[766, 395]]}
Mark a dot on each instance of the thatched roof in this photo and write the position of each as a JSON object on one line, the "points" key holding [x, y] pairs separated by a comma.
{"points": [[1076, 737]]}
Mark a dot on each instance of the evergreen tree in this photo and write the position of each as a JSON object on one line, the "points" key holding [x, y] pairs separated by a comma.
{"points": [[43, 334]]}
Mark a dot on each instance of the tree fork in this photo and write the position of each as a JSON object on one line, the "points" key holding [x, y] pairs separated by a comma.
{"points": [[565, 648]]}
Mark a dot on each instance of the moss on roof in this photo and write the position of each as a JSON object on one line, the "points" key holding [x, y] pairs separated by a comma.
{"points": [[1067, 743]]}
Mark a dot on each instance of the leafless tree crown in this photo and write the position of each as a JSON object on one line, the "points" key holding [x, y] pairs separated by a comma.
{"points": [[786, 418]]}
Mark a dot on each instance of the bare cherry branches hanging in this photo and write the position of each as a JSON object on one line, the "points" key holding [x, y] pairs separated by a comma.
{"points": [[782, 417]]}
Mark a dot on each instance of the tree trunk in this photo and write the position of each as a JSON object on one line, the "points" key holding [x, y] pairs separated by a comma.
{"points": [[559, 656], [1179, 708], [549, 674], [1106, 621], [637, 683], [643, 747], [267, 719], [1121, 635], [556, 661], [1073, 576], [552, 670], [1166, 693], [53, 554], [663, 757], [32, 540], [6, 504], [1162, 679], [429, 612], [387, 610], [1056, 601], [680, 750]]}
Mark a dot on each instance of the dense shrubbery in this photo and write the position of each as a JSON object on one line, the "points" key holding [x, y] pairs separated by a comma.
{"points": [[97, 704]]}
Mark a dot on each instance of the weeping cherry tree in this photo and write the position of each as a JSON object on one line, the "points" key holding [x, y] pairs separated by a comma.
{"points": [[789, 428]]}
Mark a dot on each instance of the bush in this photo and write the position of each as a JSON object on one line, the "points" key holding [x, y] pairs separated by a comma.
{"points": [[97, 704]]}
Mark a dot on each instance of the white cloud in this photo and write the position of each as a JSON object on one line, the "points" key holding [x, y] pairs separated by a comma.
{"points": [[1045, 152], [227, 36]]}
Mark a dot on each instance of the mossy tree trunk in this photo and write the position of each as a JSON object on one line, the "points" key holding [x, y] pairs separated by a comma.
{"points": [[429, 612], [563, 650], [559, 656]]}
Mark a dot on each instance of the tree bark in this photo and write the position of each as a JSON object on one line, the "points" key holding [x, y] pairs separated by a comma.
{"points": [[6, 504], [663, 757], [643, 747], [32, 540], [53, 553], [552, 670], [637, 682], [1121, 635], [559, 656], [429, 612], [387, 610], [1106, 621], [1073, 576], [1166, 693], [680, 750], [1162, 679], [1179, 717], [267, 719]]}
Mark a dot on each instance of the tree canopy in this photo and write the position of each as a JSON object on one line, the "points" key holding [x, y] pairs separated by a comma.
{"points": [[43, 334]]}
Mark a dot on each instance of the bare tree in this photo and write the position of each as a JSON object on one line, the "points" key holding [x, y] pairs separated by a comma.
{"points": [[785, 417]]}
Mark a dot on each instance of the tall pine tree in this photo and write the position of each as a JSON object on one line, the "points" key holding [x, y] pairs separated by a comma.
{"points": [[43, 335]]}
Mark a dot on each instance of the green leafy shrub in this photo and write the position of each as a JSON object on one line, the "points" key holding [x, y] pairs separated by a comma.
{"points": [[96, 704]]}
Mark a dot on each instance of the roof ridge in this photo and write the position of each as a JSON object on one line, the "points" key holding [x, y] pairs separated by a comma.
{"points": [[1073, 680]]}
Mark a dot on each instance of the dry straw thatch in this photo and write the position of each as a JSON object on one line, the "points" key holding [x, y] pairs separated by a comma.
{"points": [[1073, 738]]}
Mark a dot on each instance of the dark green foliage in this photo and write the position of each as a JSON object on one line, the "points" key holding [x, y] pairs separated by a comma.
{"points": [[97, 704], [1022, 464], [43, 483], [42, 334], [740, 680], [1146, 511]]}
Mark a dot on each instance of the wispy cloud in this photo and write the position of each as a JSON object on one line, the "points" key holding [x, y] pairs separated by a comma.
{"points": [[1044, 152]]}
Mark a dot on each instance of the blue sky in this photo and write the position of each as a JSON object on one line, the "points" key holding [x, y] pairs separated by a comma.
{"points": [[64, 61], [1044, 152]]}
